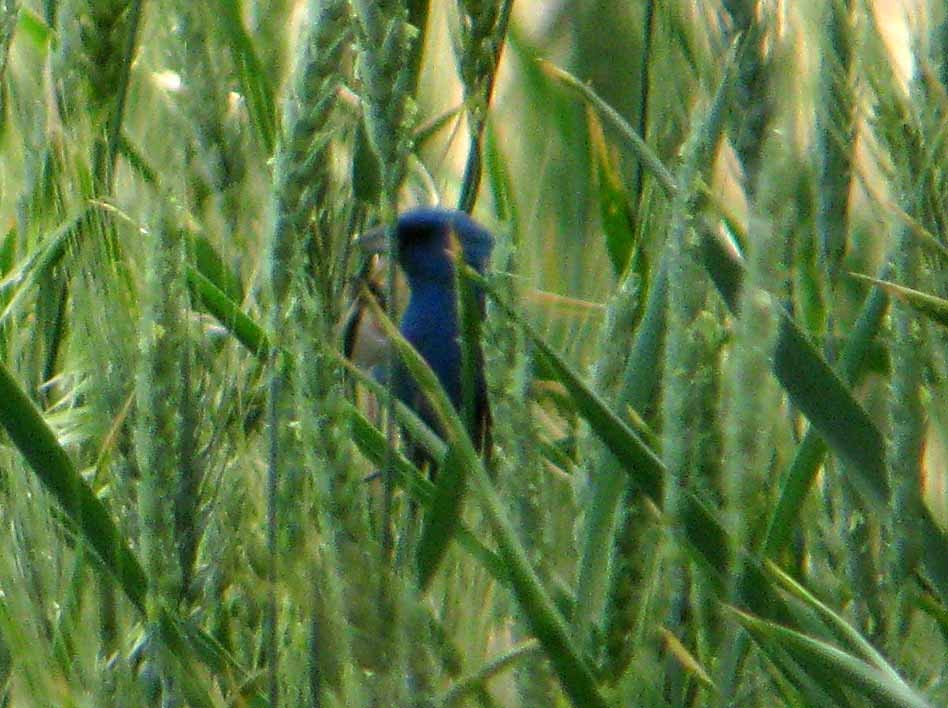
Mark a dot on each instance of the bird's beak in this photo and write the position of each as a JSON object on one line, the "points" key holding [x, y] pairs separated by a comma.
{"points": [[374, 240]]}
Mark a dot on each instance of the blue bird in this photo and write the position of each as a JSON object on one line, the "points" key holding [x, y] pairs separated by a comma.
{"points": [[425, 239]]}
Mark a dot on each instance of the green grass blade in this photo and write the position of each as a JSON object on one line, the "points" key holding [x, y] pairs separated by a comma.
{"points": [[614, 203], [443, 518], [813, 386], [644, 465], [832, 410], [541, 614], [210, 264], [842, 629], [844, 669], [469, 684], [642, 151], [229, 314], [624, 443], [798, 687], [374, 445], [37, 265], [38, 445], [809, 455], [254, 83], [414, 426], [933, 307]]}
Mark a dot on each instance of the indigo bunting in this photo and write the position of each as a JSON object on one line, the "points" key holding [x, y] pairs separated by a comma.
{"points": [[424, 239]]}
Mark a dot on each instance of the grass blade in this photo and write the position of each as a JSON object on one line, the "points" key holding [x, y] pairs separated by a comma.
{"points": [[254, 83], [809, 454], [374, 445], [541, 614], [614, 203], [833, 667], [443, 518], [229, 314], [931, 306], [842, 629], [38, 265], [935, 553], [38, 445], [812, 385]]}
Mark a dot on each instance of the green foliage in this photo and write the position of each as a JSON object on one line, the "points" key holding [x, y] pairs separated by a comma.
{"points": [[703, 488]]}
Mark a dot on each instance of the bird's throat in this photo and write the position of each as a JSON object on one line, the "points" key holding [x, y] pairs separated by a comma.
{"points": [[431, 312]]}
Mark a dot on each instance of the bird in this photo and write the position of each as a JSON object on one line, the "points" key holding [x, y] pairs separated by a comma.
{"points": [[425, 240]]}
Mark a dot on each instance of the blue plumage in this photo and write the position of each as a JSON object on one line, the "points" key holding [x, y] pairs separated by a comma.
{"points": [[425, 237]]}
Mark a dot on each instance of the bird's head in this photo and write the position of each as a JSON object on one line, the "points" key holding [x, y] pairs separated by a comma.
{"points": [[427, 239]]}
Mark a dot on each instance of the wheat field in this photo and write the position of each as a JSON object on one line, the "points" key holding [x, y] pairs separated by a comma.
{"points": [[716, 349]]}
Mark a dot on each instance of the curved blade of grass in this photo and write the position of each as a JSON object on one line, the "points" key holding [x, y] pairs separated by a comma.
{"points": [[374, 445], [254, 83], [614, 202], [844, 668], [832, 410], [842, 629], [137, 161], [812, 385], [646, 467], [796, 685], [471, 683], [210, 264], [86, 512], [541, 614], [443, 518], [38, 445], [932, 307], [414, 426], [229, 314], [685, 658], [809, 455], [431, 127], [642, 151], [40, 261]]}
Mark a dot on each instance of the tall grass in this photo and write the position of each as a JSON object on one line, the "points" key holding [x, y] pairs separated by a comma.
{"points": [[718, 470]]}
